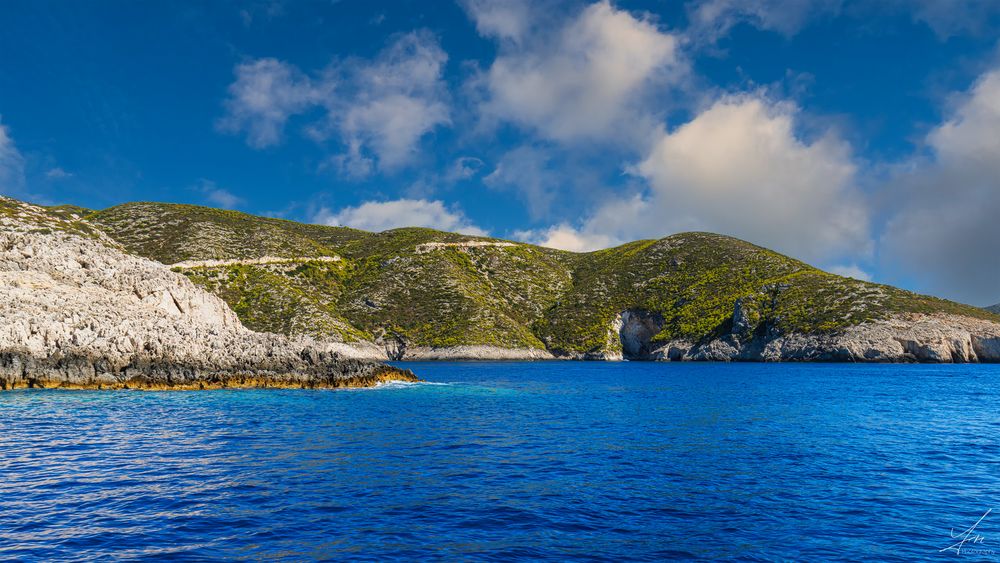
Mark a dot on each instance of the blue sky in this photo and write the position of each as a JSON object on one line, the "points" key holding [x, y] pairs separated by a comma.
{"points": [[858, 135]]}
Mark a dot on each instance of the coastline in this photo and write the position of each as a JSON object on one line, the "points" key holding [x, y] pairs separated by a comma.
{"points": [[27, 372], [901, 340]]}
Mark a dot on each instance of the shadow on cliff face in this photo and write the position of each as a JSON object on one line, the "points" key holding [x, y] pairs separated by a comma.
{"points": [[395, 346], [638, 328]]}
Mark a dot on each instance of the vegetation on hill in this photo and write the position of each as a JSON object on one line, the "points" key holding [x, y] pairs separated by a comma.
{"points": [[60, 218], [171, 233], [449, 295], [425, 288]]}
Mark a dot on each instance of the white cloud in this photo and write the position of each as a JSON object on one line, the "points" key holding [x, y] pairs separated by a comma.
{"points": [[948, 18], [463, 168], [13, 182], [265, 94], [378, 109], [389, 104], [711, 19], [739, 169], [945, 220], [503, 19], [354, 163], [850, 271], [586, 80], [970, 136], [57, 173], [528, 172], [218, 196], [385, 215], [565, 237], [11, 165]]}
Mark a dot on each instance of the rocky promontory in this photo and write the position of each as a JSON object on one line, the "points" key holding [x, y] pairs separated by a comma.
{"points": [[913, 337], [77, 311]]}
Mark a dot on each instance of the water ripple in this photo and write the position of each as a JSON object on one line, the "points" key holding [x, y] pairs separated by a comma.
{"points": [[589, 461]]}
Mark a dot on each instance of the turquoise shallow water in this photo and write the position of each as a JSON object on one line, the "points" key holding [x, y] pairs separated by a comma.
{"points": [[591, 461]]}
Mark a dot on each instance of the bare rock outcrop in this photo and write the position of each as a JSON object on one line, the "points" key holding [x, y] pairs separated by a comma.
{"points": [[76, 311], [936, 338], [912, 337], [474, 352]]}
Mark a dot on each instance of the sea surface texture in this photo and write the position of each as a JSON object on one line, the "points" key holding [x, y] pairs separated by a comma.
{"points": [[535, 461]]}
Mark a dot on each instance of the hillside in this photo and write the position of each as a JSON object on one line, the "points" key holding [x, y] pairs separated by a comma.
{"points": [[424, 293], [994, 308], [79, 312], [175, 233]]}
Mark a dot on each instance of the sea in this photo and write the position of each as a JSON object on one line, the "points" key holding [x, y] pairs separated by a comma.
{"points": [[561, 461]]}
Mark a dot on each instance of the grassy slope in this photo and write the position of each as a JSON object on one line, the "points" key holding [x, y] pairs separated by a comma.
{"points": [[449, 296], [61, 218], [513, 296], [173, 233]]}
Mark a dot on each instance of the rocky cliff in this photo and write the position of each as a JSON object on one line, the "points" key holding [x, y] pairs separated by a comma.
{"points": [[78, 311], [424, 294], [938, 338]]}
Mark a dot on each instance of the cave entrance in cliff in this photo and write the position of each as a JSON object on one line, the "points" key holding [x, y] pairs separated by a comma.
{"points": [[638, 328]]}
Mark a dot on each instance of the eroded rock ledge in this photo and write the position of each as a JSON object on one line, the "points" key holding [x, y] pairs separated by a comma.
{"points": [[18, 371]]}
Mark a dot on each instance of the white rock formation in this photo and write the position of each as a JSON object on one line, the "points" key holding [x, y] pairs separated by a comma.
{"points": [[937, 338], [904, 338], [266, 260], [431, 246], [75, 310], [474, 352]]}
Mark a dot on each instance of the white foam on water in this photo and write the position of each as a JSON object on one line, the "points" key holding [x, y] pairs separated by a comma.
{"points": [[405, 384]]}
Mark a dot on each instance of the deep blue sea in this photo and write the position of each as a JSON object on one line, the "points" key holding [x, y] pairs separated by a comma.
{"points": [[531, 461]]}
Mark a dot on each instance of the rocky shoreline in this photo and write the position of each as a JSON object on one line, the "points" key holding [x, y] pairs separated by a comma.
{"points": [[77, 312], [19, 371], [902, 339]]}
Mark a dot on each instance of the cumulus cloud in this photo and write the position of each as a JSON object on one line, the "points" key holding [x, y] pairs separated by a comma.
{"points": [[711, 19], [387, 105], [850, 271], [264, 95], [945, 220], [377, 109], [463, 168], [528, 171], [502, 19], [384, 215], [565, 237], [586, 80], [11, 165], [219, 196], [738, 168]]}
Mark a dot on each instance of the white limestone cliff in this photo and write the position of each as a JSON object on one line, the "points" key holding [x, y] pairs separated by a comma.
{"points": [[75, 310]]}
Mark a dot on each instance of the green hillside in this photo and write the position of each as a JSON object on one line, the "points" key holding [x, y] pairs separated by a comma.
{"points": [[424, 288], [173, 233]]}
